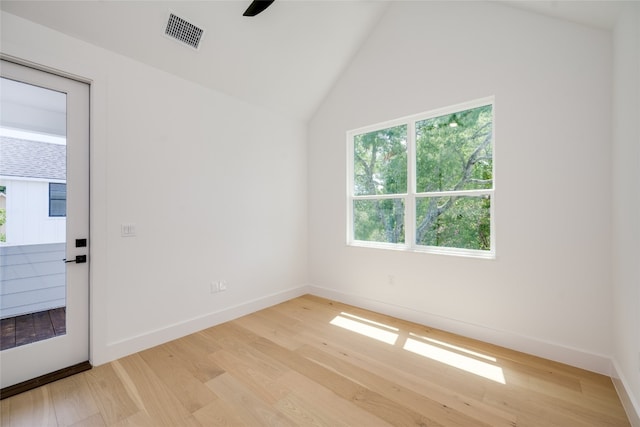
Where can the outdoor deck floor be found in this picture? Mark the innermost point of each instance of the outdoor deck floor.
(29, 328)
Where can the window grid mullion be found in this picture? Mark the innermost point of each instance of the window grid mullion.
(380, 196)
(478, 193)
(350, 196)
(410, 199)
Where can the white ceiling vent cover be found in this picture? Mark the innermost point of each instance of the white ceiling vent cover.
(183, 31)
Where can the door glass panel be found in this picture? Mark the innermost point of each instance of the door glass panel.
(33, 201)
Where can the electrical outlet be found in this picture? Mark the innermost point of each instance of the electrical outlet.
(218, 286)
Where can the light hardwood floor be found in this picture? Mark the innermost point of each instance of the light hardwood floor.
(315, 362)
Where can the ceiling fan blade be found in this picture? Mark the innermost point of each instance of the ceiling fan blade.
(256, 7)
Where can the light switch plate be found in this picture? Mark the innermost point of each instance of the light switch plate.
(127, 230)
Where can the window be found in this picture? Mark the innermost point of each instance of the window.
(424, 183)
(57, 199)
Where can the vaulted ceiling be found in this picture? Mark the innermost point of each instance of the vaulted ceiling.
(286, 58)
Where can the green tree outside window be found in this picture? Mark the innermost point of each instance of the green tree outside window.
(451, 156)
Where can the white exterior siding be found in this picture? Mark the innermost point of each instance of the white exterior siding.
(28, 220)
(32, 278)
(32, 273)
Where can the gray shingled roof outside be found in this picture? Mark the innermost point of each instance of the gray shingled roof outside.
(31, 159)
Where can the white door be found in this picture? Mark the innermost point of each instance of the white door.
(44, 186)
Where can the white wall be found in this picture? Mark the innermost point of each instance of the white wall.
(548, 292)
(234, 175)
(626, 212)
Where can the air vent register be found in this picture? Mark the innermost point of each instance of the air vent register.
(183, 31)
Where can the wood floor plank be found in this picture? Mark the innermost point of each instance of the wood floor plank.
(346, 388)
(230, 335)
(92, 421)
(190, 391)
(606, 397)
(25, 330)
(139, 419)
(193, 353)
(330, 402)
(8, 333)
(255, 410)
(577, 398)
(150, 393)
(312, 361)
(279, 329)
(392, 390)
(464, 400)
(59, 320)
(549, 410)
(345, 343)
(42, 326)
(32, 327)
(110, 394)
(219, 414)
(269, 367)
(31, 408)
(260, 382)
(72, 399)
(305, 413)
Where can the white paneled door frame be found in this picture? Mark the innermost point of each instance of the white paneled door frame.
(26, 362)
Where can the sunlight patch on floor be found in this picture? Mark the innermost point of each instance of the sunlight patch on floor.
(440, 351)
(454, 347)
(368, 328)
(457, 360)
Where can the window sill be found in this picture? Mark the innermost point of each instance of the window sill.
(465, 253)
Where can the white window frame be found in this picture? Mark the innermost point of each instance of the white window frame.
(410, 197)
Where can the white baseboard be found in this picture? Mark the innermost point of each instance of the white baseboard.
(559, 353)
(116, 350)
(629, 401)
